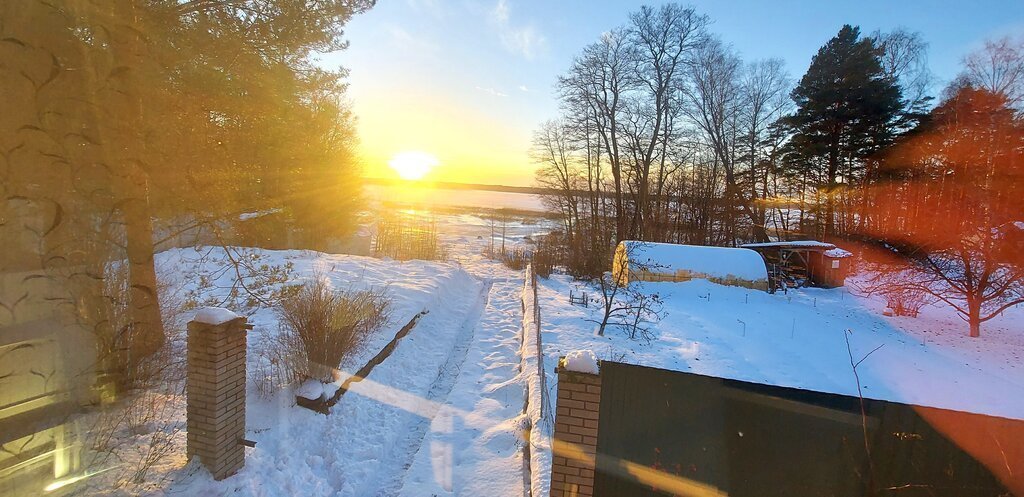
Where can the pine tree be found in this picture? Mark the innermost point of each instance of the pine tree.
(847, 110)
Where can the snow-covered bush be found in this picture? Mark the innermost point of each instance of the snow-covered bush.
(321, 326)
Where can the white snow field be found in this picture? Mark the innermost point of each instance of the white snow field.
(797, 340)
(444, 415)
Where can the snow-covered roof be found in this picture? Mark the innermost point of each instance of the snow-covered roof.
(713, 262)
(795, 243)
(837, 253)
(246, 216)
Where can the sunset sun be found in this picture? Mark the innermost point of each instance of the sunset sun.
(413, 165)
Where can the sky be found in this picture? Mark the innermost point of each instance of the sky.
(468, 81)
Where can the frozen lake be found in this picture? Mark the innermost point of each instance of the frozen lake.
(428, 197)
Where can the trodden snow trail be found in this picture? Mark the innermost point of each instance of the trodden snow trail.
(473, 446)
(392, 470)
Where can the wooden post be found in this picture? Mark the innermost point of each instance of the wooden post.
(575, 440)
(215, 390)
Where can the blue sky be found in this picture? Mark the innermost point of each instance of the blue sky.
(469, 80)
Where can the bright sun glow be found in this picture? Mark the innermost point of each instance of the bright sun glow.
(413, 165)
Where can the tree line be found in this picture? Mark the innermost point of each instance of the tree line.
(666, 134)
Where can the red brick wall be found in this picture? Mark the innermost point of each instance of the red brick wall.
(575, 440)
(215, 391)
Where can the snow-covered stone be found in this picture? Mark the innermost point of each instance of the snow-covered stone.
(330, 389)
(310, 389)
(215, 315)
(581, 361)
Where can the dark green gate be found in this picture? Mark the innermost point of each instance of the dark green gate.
(664, 429)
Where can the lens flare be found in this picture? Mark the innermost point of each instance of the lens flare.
(413, 165)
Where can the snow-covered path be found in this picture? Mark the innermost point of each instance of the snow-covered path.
(473, 446)
(393, 473)
(441, 412)
(441, 415)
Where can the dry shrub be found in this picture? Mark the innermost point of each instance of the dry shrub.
(544, 257)
(321, 327)
(905, 301)
(515, 259)
(138, 423)
(898, 286)
(402, 238)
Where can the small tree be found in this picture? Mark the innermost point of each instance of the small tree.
(627, 305)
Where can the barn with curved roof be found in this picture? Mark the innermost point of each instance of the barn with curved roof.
(650, 261)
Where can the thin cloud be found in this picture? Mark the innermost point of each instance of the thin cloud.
(492, 92)
(523, 88)
(523, 40)
(407, 41)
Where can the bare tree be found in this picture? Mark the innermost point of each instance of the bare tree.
(553, 153)
(599, 79)
(764, 99)
(714, 97)
(904, 58)
(663, 42)
(998, 68)
(953, 207)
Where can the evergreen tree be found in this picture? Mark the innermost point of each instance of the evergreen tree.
(121, 114)
(847, 110)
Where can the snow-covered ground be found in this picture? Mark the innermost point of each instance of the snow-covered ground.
(797, 340)
(444, 413)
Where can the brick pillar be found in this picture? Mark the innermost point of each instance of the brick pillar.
(215, 390)
(575, 440)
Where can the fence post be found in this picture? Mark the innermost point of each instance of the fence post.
(215, 392)
(575, 441)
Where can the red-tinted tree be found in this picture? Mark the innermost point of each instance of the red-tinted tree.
(954, 205)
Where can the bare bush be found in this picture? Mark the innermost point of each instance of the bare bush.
(905, 301)
(398, 237)
(515, 259)
(138, 425)
(900, 288)
(544, 257)
(321, 326)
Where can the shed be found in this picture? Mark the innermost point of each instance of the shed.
(649, 261)
(800, 263)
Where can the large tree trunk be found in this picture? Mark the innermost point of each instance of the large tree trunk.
(146, 328)
(147, 325)
(974, 315)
